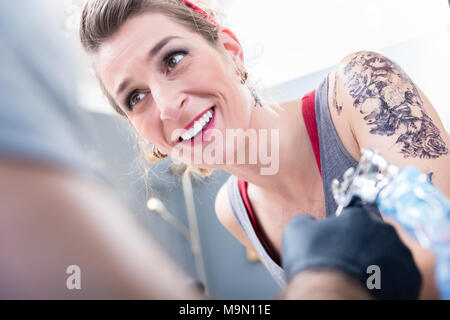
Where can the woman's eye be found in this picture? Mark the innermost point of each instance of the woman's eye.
(173, 60)
(135, 98)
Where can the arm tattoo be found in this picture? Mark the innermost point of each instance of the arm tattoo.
(337, 106)
(391, 104)
(430, 177)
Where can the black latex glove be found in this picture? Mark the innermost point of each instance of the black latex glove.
(350, 243)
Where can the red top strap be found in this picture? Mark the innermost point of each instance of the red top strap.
(269, 249)
(309, 116)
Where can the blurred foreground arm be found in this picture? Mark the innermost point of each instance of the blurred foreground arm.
(51, 219)
(52, 215)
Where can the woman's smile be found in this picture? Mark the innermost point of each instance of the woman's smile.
(199, 129)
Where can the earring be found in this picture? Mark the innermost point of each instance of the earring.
(156, 155)
(256, 97)
(243, 75)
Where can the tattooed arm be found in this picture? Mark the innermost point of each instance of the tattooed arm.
(388, 112)
(384, 110)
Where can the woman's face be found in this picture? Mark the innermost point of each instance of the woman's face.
(163, 87)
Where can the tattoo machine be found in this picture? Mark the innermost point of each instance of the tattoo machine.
(406, 195)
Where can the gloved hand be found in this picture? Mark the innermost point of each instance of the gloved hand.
(350, 243)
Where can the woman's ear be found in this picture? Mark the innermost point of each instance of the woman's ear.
(231, 44)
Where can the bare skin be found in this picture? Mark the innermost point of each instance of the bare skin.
(324, 285)
(203, 76)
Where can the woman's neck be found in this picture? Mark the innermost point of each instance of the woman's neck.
(297, 171)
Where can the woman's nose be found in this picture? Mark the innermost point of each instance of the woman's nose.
(168, 101)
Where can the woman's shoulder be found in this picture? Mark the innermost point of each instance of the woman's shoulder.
(386, 110)
(292, 106)
(226, 216)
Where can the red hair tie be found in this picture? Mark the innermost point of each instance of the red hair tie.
(201, 11)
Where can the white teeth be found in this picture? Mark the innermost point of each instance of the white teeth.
(198, 126)
(197, 129)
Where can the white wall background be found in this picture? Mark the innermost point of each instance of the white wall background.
(303, 36)
(286, 40)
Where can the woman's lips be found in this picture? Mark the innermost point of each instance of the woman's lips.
(206, 131)
(196, 118)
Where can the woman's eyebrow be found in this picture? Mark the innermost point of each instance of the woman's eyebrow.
(153, 52)
(161, 45)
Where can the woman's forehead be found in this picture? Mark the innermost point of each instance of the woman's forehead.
(132, 43)
(142, 30)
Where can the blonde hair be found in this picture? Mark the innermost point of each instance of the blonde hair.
(101, 19)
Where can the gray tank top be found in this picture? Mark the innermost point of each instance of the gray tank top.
(335, 160)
